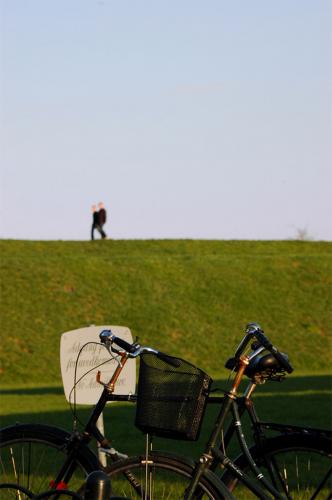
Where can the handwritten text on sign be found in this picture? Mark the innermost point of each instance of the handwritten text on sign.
(93, 357)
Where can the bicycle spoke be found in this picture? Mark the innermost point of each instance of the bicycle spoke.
(322, 485)
(34, 463)
(301, 475)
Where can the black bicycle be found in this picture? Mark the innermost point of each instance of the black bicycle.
(295, 463)
(172, 396)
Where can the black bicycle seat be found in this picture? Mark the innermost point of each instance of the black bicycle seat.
(267, 363)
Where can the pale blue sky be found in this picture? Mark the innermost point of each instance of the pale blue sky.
(189, 119)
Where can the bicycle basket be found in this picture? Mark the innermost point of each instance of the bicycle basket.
(171, 400)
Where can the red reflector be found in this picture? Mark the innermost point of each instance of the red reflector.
(61, 486)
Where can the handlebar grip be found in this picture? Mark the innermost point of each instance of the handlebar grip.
(264, 341)
(169, 359)
(282, 359)
(124, 345)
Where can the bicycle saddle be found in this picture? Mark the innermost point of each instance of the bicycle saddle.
(266, 364)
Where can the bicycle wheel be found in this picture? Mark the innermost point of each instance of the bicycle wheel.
(163, 477)
(14, 492)
(298, 465)
(32, 455)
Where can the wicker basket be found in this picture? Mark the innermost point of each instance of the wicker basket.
(171, 400)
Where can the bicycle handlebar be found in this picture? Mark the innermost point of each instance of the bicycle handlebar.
(264, 341)
(254, 330)
(130, 348)
(169, 359)
(135, 350)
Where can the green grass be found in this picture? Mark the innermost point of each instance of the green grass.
(302, 400)
(188, 298)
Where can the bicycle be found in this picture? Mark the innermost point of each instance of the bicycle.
(79, 459)
(267, 452)
(38, 457)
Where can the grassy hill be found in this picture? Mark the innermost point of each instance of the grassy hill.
(188, 298)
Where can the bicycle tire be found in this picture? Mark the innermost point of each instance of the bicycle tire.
(296, 464)
(16, 492)
(32, 455)
(168, 477)
(13, 491)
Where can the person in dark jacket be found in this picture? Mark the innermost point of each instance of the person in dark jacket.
(102, 218)
(98, 220)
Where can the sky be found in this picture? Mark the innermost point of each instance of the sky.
(188, 119)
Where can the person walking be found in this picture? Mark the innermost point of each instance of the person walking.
(98, 220)
(95, 221)
(102, 219)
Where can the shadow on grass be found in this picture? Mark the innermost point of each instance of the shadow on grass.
(30, 391)
(290, 384)
(298, 400)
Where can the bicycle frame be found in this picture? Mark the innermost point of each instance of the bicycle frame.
(91, 429)
(245, 404)
(214, 453)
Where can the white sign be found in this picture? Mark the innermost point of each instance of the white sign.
(93, 357)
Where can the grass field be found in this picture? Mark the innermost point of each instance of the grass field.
(298, 400)
(189, 298)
